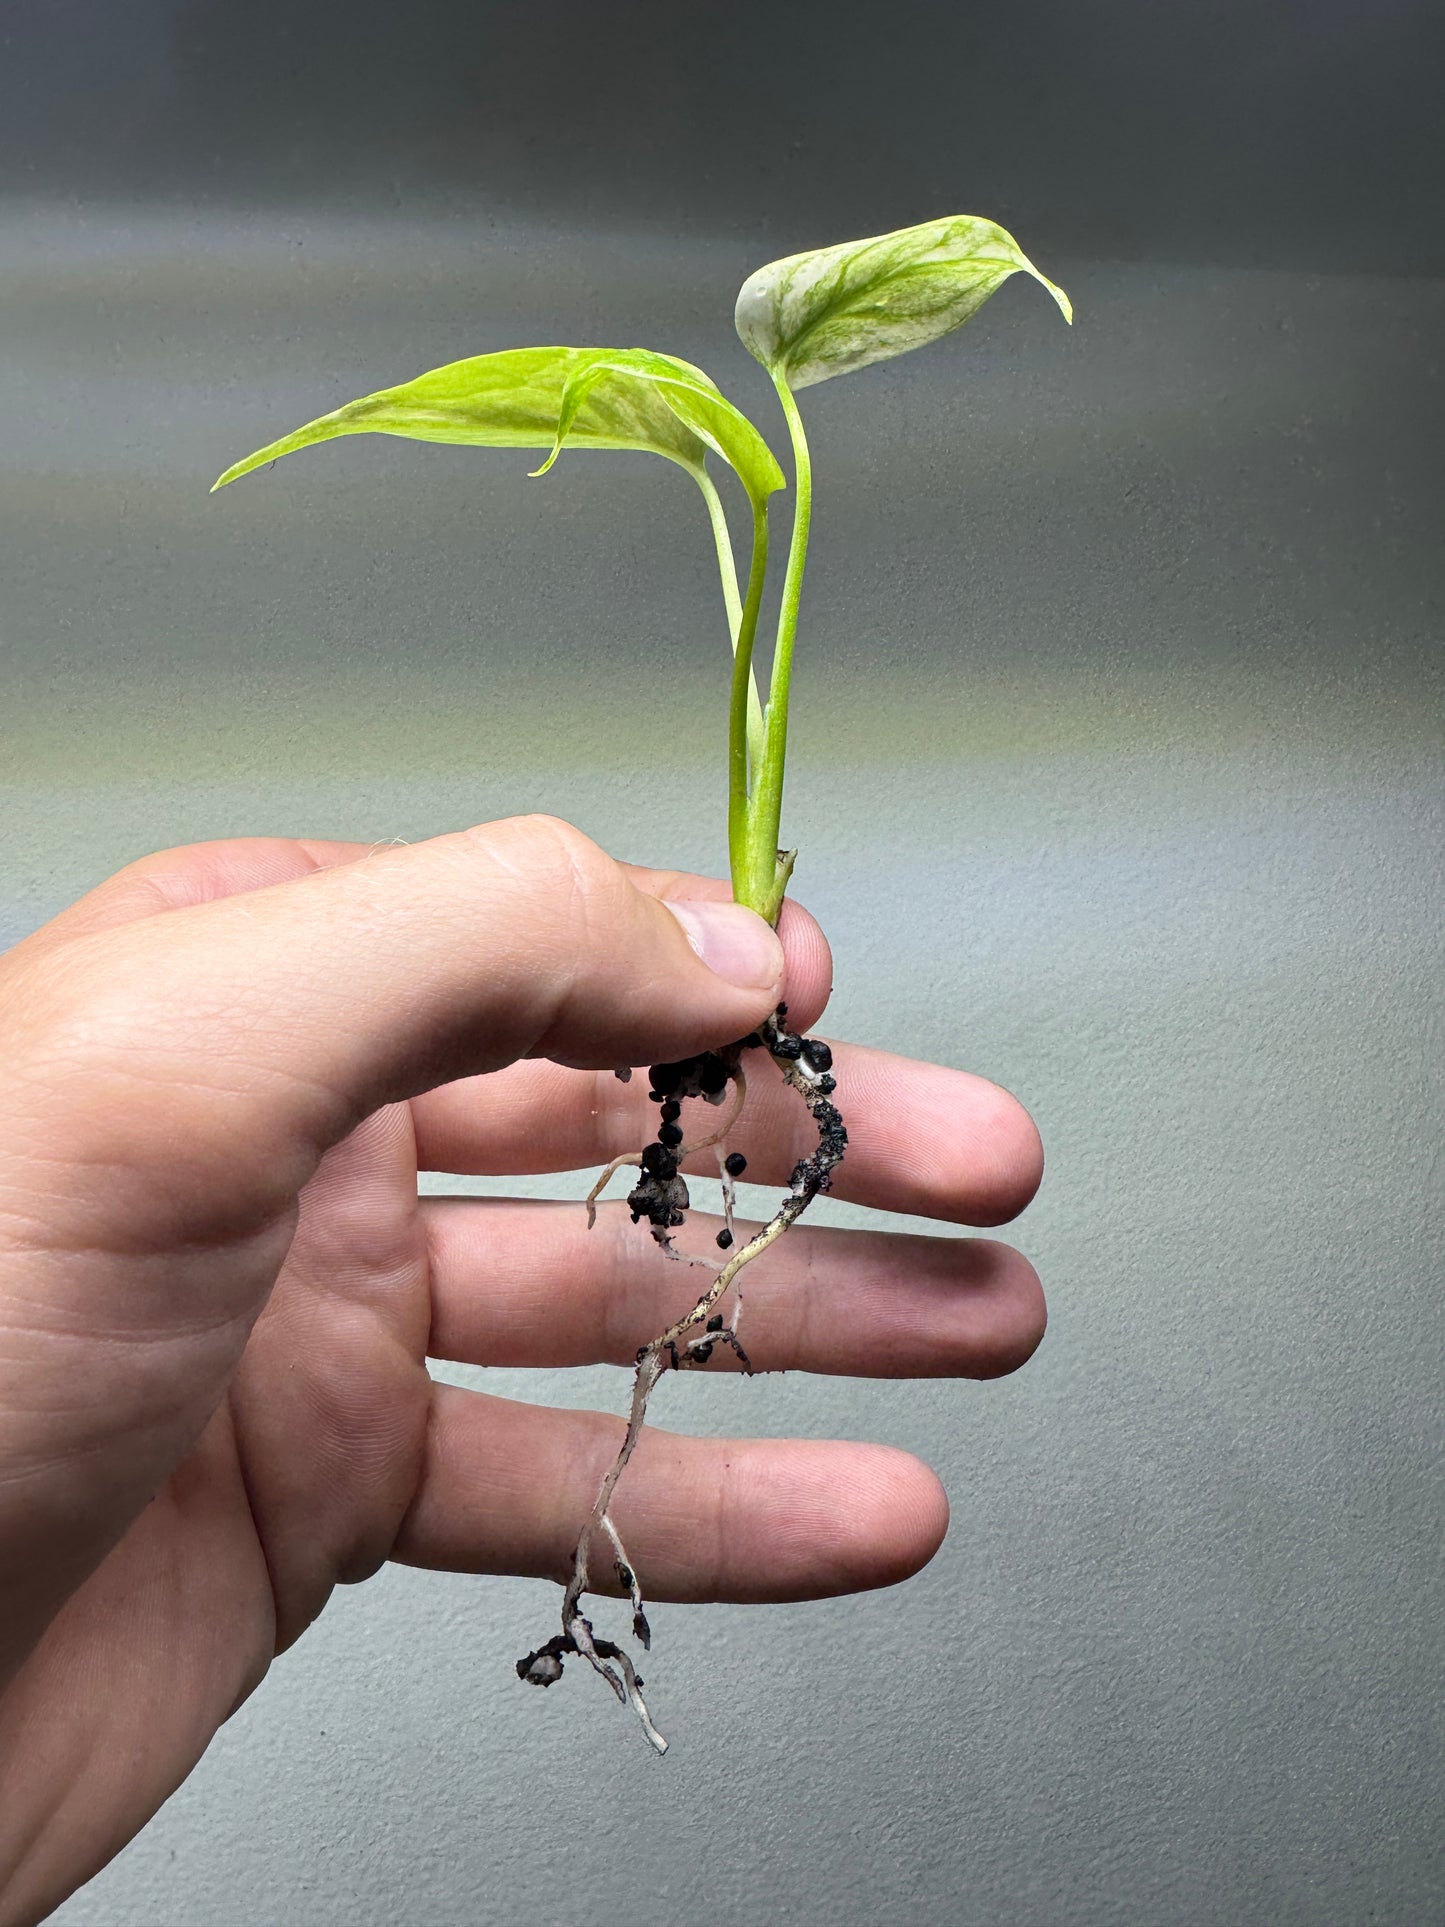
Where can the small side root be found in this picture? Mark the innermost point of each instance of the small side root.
(627, 1578)
(618, 1163)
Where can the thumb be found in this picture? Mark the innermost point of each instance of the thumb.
(274, 1020)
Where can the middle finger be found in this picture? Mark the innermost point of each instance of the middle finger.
(525, 1283)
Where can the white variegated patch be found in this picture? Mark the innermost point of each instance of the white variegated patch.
(811, 316)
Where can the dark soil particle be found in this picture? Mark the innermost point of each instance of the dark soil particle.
(544, 1667)
(706, 1075)
(712, 1075)
(662, 1201)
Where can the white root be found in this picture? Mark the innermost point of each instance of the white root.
(795, 1057)
(618, 1163)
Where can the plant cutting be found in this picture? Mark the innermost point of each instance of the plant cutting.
(806, 319)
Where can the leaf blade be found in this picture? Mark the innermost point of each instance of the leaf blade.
(511, 399)
(830, 311)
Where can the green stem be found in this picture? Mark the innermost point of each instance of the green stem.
(767, 867)
(727, 569)
(741, 753)
(726, 566)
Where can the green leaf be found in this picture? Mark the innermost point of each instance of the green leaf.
(515, 399)
(812, 316)
(693, 399)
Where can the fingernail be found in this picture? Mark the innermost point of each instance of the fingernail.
(735, 943)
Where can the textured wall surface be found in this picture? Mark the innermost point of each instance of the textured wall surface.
(1118, 780)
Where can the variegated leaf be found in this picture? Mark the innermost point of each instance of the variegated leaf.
(514, 399)
(812, 316)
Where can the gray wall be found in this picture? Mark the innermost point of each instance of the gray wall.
(1118, 780)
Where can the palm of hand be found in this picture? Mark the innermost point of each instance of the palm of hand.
(301, 1479)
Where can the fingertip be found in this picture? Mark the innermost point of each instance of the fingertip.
(808, 983)
(1033, 1317)
(976, 1156)
(1010, 1154)
(870, 1516)
(903, 1516)
(1008, 1338)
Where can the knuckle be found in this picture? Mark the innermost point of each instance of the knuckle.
(541, 845)
(179, 860)
(569, 901)
(569, 879)
(166, 879)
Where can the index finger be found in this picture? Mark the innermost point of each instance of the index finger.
(922, 1139)
(195, 873)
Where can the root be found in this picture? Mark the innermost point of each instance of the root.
(617, 1164)
(661, 1196)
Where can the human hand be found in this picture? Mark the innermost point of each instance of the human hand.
(219, 1076)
